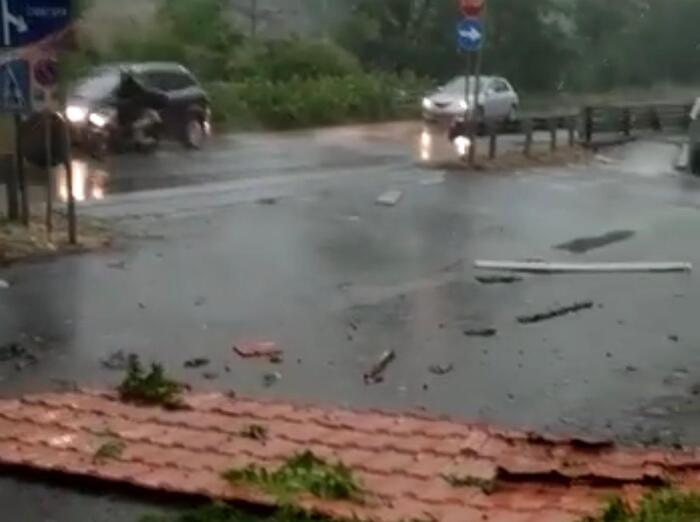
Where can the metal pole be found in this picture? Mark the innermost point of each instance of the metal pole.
(72, 226)
(48, 147)
(475, 123)
(21, 174)
(8, 162)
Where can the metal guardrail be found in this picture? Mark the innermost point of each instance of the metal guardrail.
(626, 118)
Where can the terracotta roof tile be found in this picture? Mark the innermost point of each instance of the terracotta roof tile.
(401, 460)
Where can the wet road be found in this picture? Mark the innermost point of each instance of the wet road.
(306, 259)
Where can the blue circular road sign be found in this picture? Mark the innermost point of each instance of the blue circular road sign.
(470, 34)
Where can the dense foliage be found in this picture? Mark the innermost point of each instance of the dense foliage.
(369, 63)
(541, 45)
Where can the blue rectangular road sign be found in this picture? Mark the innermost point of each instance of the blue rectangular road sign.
(15, 85)
(24, 22)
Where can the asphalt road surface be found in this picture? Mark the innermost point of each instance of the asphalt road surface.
(279, 239)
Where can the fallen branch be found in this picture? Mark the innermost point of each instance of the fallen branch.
(552, 314)
(376, 374)
(542, 267)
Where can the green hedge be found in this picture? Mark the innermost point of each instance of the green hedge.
(306, 102)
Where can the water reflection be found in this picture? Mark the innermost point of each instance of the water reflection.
(89, 181)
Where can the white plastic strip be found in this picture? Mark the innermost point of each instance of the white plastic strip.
(543, 267)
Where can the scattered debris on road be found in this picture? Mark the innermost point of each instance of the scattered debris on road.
(376, 374)
(600, 158)
(674, 338)
(21, 356)
(390, 198)
(4, 285)
(257, 349)
(267, 201)
(119, 265)
(429, 182)
(198, 362)
(272, 378)
(558, 312)
(482, 332)
(541, 267)
(118, 360)
(200, 301)
(444, 369)
(498, 280)
(586, 244)
(210, 376)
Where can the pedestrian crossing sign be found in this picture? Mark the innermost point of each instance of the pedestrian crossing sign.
(15, 83)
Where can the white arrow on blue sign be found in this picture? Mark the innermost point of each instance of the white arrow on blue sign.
(470, 34)
(15, 84)
(24, 22)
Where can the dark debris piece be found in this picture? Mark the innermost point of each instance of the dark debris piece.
(481, 332)
(117, 361)
(499, 280)
(198, 362)
(438, 369)
(558, 312)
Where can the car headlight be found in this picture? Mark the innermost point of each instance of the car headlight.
(76, 114)
(427, 104)
(98, 119)
(463, 105)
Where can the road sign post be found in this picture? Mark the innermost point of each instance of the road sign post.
(29, 74)
(470, 39)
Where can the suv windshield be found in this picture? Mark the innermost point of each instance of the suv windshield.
(99, 85)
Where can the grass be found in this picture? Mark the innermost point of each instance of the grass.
(663, 506)
(149, 389)
(467, 481)
(109, 450)
(18, 242)
(302, 473)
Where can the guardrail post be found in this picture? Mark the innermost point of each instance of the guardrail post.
(655, 120)
(552, 125)
(527, 127)
(588, 124)
(626, 122)
(571, 127)
(493, 137)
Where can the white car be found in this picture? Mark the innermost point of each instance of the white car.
(497, 100)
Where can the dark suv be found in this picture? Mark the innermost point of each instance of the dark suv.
(185, 118)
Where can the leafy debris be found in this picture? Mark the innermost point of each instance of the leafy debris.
(149, 389)
(302, 473)
(488, 486)
(110, 450)
(255, 432)
(198, 362)
(116, 361)
(438, 369)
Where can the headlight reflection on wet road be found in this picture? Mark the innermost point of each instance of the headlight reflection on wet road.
(88, 182)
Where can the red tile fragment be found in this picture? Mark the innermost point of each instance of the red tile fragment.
(252, 349)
